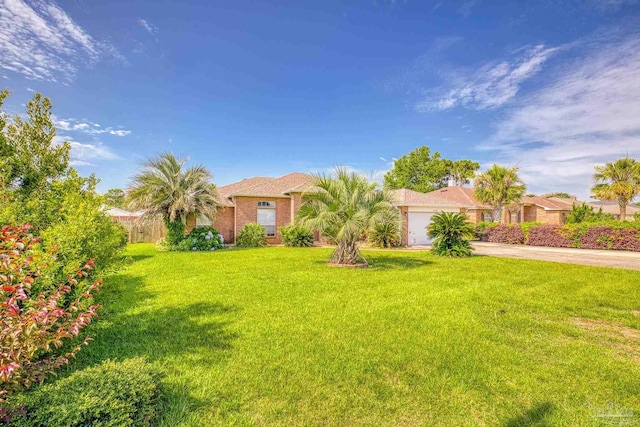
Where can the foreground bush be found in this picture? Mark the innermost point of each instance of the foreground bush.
(296, 236)
(38, 187)
(201, 239)
(451, 233)
(37, 318)
(252, 236)
(110, 394)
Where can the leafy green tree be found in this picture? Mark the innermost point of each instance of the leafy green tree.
(165, 189)
(620, 181)
(559, 195)
(499, 186)
(451, 232)
(462, 171)
(586, 213)
(30, 155)
(115, 198)
(40, 189)
(343, 209)
(419, 171)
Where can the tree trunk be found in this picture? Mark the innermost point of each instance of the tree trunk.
(623, 210)
(175, 231)
(497, 214)
(347, 253)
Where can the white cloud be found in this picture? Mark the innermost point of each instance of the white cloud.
(85, 154)
(465, 8)
(75, 125)
(491, 85)
(40, 41)
(588, 114)
(152, 29)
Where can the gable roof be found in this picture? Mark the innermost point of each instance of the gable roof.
(406, 197)
(614, 208)
(265, 186)
(552, 203)
(226, 191)
(458, 196)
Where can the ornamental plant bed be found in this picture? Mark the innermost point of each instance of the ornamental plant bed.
(613, 236)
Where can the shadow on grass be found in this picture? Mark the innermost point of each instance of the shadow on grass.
(386, 262)
(534, 417)
(381, 262)
(131, 325)
(134, 323)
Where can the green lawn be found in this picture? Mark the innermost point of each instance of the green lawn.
(274, 336)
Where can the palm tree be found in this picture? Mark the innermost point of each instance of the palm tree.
(343, 207)
(165, 189)
(451, 233)
(620, 181)
(499, 186)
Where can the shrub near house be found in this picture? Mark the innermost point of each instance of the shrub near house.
(607, 235)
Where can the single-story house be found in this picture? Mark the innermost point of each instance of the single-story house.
(614, 209)
(418, 208)
(270, 202)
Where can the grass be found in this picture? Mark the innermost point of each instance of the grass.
(274, 336)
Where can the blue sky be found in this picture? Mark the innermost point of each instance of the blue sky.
(265, 88)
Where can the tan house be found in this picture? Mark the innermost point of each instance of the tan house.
(418, 208)
(270, 202)
(614, 209)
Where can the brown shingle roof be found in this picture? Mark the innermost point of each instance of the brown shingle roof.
(278, 186)
(228, 190)
(613, 208)
(406, 197)
(553, 203)
(264, 186)
(459, 196)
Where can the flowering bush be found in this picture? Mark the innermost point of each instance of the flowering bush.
(37, 318)
(201, 239)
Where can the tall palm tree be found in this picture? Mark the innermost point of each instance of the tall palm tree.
(343, 207)
(499, 186)
(620, 181)
(165, 189)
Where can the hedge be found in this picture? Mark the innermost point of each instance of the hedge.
(612, 236)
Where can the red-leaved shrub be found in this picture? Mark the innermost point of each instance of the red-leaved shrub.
(510, 234)
(548, 235)
(605, 237)
(36, 324)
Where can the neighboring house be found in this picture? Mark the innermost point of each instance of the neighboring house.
(138, 231)
(614, 209)
(270, 202)
(418, 208)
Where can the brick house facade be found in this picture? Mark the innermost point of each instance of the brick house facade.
(270, 202)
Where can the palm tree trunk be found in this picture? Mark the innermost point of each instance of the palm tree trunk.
(623, 210)
(497, 214)
(347, 253)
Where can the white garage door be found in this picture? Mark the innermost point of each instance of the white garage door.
(418, 222)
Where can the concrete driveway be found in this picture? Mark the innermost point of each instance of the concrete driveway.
(598, 258)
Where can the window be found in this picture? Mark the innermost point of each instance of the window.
(487, 216)
(267, 217)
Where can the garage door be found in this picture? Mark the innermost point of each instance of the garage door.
(418, 222)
